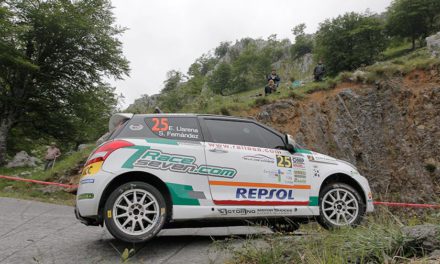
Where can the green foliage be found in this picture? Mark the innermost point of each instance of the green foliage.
(221, 79)
(222, 49)
(55, 57)
(413, 19)
(349, 41)
(260, 101)
(303, 42)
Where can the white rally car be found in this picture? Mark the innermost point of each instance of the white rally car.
(160, 171)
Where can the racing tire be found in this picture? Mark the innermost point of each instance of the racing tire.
(340, 205)
(135, 212)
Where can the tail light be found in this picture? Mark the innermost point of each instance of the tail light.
(103, 151)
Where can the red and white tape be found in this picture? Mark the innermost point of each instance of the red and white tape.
(38, 182)
(69, 186)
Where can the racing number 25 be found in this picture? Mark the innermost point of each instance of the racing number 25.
(160, 124)
(284, 161)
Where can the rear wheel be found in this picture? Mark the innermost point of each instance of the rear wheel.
(340, 205)
(135, 212)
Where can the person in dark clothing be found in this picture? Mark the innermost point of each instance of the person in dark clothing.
(274, 77)
(270, 87)
(157, 110)
(319, 71)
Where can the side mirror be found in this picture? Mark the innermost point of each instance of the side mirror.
(290, 143)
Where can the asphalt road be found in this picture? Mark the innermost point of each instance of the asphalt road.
(34, 232)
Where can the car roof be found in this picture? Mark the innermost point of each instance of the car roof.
(195, 115)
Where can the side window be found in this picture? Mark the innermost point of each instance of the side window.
(242, 133)
(179, 128)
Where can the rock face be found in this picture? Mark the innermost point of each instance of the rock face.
(433, 43)
(22, 159)
(390, 131)
(423, 236)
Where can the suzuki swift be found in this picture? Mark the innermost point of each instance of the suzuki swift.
(160, 171)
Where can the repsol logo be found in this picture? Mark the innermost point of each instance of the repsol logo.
(264, 194)
(156, 159)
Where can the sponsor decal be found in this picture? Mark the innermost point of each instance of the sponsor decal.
(91, 169)
(316, 172)
(259, 158)
(85, 196)
(109, 213)
(370, 197)
(264, 194)
(238, 211)
(316, 157)
(136, 127)
(298, 160)
(240, 147)
(85, 181)
(261, 211)
(158, 160)
(280, 174)
(163, 128)
(300, 176)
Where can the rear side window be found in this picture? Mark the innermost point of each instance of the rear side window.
(242, 133)
(178, 128)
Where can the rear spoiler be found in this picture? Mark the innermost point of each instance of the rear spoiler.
(117, 119)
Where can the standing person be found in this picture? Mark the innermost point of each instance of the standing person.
(319, 71)
(270, 87)
(52, 153)
(274, 77)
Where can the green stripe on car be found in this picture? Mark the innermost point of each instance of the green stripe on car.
(313, 201)
(303, 151)
(181, 194)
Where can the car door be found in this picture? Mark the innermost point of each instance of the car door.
(264, 172)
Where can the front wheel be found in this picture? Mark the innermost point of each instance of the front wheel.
(135, 212)
(340, 205)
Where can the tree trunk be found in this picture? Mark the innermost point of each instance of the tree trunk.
(5, 126)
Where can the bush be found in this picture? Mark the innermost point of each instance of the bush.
(261, 101)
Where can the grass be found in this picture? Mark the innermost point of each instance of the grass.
(378, 240)
(31, 191)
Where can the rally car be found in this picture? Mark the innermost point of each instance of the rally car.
(160, 171)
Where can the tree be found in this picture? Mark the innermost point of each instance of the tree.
(303, 42)
(54, 56)
(350, 40)
(222, 49)
(221, 78)
(413, 19)
(172, 82)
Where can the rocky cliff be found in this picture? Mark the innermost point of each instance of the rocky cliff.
(390, 131)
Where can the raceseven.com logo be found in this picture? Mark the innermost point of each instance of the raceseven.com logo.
(158, 160)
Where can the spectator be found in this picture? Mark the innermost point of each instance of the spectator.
(52, 153)
(319, 71)
(270, 87)
(274, 77)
